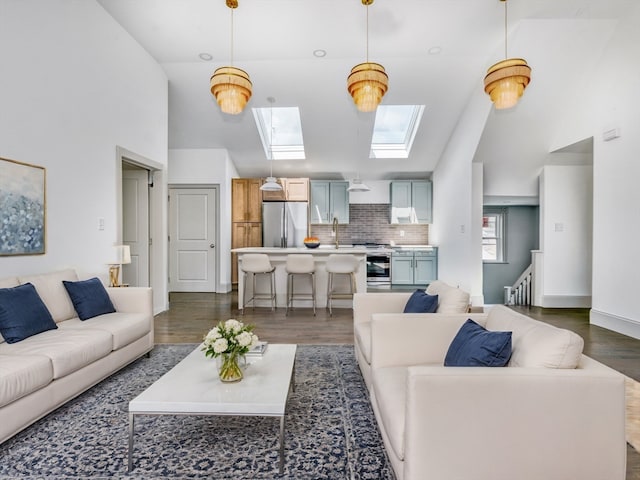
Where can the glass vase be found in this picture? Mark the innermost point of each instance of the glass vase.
(228, 368)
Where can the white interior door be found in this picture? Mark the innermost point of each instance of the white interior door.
(192, 227)
(135, 225)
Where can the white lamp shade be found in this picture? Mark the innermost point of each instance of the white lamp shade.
(357, 186)
(271, 185)
(121, 255)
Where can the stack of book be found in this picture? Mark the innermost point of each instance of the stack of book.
(258, 350)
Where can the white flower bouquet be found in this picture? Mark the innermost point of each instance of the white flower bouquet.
(230, 339)
(231, 336)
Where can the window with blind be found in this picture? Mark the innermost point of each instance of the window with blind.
(493, 236)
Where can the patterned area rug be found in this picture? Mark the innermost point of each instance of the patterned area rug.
(330, 430)
(632, 391)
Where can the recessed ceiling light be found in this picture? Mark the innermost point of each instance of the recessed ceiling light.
(319, 53)
(206, 56)
(435, 50)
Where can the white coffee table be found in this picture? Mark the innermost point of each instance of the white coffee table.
(192, 387)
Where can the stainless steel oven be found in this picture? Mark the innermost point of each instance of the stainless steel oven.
(378, 267)
(378, 262)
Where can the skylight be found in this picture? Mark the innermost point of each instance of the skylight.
(394, 130)
(284, 140)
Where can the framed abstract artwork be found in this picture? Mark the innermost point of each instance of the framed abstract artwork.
(22, 208)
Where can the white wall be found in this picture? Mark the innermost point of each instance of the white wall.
(516, 141)
(456, 203)
(477, 190)
(566, 232)
(611, 101)
(209, 167)
(74, 86)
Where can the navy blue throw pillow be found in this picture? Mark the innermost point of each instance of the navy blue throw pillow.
(23, 313)
(475, 346)
(89, 298)
(421, 302)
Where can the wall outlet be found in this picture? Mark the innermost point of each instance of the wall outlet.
(100, 223)
(333, 234)
(402, 233)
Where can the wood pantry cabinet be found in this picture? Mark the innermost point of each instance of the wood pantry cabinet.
(243, 234)
(246, 200)
(246, 216)
(293, 190)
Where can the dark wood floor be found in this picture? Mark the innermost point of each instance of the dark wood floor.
(191, 315)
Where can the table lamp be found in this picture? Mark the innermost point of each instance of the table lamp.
(121, 256)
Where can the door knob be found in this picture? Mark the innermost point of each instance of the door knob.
(213, 245)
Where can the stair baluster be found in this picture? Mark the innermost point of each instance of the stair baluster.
(520, 292)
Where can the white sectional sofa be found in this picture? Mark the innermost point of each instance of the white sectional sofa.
(450, 300)
(43, 371)
(551, 413)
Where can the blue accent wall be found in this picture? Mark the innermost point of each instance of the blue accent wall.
(522, 236)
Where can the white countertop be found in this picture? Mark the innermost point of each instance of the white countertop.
(321, 250)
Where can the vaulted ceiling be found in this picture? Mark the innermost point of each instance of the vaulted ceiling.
(436, 53)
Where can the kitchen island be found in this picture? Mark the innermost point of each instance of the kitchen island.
(278, 258)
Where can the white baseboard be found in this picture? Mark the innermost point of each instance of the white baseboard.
(625, 326)
(160, 307)
(566, 301)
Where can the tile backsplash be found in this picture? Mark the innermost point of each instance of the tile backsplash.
(369, 222)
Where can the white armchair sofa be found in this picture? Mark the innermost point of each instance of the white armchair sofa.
(450, 300)
(45, 370)
(551, 414)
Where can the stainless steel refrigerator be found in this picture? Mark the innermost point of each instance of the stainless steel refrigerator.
(284, 224)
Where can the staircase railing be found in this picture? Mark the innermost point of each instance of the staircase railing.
(520, 293)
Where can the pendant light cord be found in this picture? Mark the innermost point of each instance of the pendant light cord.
(358, 156)
(231, 42)
(367, 43)
(505, 29)
(271, 138)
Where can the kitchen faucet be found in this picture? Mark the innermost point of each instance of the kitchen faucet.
(334, 229)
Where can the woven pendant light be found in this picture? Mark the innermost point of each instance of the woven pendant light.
(368, 82)
(231, 86)
(506, 80)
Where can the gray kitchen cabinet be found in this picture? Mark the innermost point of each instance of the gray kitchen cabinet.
(425, 267)
(414, 267)
(411, 201)
(329, 199)
(402, 268)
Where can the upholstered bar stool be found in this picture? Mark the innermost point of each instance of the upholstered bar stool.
(258, 264)
(340, 264)
(300, 264)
